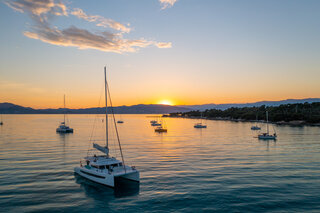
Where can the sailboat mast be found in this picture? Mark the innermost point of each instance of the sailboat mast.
(105, 88)
(64, 109)
(267, 123)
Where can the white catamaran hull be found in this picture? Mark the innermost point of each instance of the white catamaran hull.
(106, 178)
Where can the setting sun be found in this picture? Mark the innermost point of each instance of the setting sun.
(166, 102)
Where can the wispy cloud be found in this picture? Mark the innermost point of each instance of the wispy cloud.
(164, 44)
(101, 21)
(83, 39)
(167, 3)
(41, 11)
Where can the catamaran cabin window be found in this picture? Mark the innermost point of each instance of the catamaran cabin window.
(101, 167)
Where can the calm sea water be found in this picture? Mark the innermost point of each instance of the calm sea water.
(221, 168)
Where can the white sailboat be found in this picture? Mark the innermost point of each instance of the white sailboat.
(256, 127)
(63, 128)
(266, 135)
(104, 169)
(200, 125)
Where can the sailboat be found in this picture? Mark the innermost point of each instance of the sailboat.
(1, 122)
(267, 136)
(161, 127)
(256, 127)
(120, 121)
(200, 125)
(63, 128)
(155, 122)
(104, 169)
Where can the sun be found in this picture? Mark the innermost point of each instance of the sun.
(165, 102)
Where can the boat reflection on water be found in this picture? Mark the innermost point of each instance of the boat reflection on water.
(122, 188)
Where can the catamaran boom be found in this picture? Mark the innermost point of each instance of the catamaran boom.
(100, 148)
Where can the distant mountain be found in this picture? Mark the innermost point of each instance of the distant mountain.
(15, 109)
(9, 108)
(256, 104)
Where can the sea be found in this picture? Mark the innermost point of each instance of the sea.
(221, 168)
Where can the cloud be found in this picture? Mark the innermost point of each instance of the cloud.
(101, 21)
(164, 44)
(83, 39)
(42, 10)
(39, 9)
(167, 3)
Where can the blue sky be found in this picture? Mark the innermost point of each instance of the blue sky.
(216, 52)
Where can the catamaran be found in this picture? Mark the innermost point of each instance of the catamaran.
(104, 169)
(266, 135)
(63, 128)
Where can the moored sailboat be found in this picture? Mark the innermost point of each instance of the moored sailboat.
(267, 135)
(63, 128)
(200, 125)
(161, 127)
(256, 127)
(120, 121)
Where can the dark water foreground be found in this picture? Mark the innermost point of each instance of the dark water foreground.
(221, 168)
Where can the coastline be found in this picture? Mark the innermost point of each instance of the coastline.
(295, 123)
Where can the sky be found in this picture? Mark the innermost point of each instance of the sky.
(177, 52)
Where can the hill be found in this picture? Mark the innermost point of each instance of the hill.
(306, 113)
(255, 104)
(9, 108)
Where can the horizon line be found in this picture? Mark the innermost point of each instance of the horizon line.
(178, 105)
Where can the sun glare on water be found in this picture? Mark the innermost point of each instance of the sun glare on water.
(166, 102)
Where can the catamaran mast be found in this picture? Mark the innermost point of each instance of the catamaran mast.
(105, 88)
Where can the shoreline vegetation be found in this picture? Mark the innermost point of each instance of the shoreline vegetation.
(286, 114)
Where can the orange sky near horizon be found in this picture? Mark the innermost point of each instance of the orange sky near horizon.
(77, 101)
